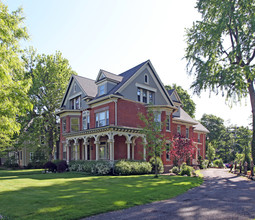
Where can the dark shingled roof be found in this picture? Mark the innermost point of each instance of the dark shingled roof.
(88, 85)
(170, 92)
(111, 76)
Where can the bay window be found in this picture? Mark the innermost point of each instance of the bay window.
(85, 120)
(75, 125)
(76, 103)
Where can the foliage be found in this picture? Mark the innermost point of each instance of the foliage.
(182, 148)
(11, 163)
(50, 75)
(63, 195)
(188, 104)
(221, 50)
(186, 170)
(210, 152)
(123, 167)
(35, 165)
(50, 166)
(155, 139)
(175, 170)
(205, 164)
(14, 85)
(99, 167)
(156, 163)
(200, 162)
(218, 163)
(61, 166)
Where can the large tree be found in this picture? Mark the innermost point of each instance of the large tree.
(221, 49)
(50, 75)
(188, 104)
(13, 85)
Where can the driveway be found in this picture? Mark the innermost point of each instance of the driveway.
(221, 196)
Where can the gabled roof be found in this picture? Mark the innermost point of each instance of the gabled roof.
(200, 127)
(88, 85)
(107, 75)
(174, 95)
(184, 117)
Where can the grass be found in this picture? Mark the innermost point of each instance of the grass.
(29, 194)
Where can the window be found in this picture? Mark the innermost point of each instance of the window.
(75, 125)
(151, 98)
(64, 152)
(101, 90)
(74, 87)
(179, 129)
(104, 153)
(168, 121)
(187, 132)
(138, 94)
(76, 103)
(31, 154)
(85, 120)
(144, 96)
(157, 119)
(198, 138)
(168, 152)
(102, 119)
(146, 80)
(63, 125)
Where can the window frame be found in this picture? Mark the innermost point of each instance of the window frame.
(78, 124)
(168, 123)
(178, 129)
(63, 125)
(198, 138)
(187, 132)
(105, 119)
(86, 121)
(146, 78)
(100, 90)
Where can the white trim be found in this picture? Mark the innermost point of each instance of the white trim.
(145, 87)
(74, 96)
(76, 113)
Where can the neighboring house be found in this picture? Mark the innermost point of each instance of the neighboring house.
(99, 119)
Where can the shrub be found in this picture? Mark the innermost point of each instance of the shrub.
(35, 165)
(50, 166)
(175, 170)
(11, 164)
(186, 170)
(218, 163)
(159, 163)
(123, 167)
(61, 166)
(205, 164)
(99, 167)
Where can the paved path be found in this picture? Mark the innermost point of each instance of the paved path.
(221, 196)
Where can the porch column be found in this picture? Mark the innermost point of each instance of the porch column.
(76, 149)
(144, 153)
(86, 150)
(97, 149)
(111, 142)
(67, 151)
(133, 151)
(128, 149)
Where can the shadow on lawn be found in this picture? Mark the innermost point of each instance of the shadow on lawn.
(85, 196)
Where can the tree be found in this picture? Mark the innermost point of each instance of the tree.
(155, 140)
(188, 104)
(215, 125)
(221, 50)
(182, 148)
(50, 75)
(13, 85)
(210, 153)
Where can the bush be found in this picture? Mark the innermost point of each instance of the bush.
(159, 163)
(11, 164)
(99, 167)
(186, 170)
(61, 166)
(35, 165)
(123, 167)
(218, 163)
(205, 164)
(50, 166)
(175, 170)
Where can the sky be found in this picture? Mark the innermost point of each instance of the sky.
(116, 35)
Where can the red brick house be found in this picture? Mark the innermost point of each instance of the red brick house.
(99, 119)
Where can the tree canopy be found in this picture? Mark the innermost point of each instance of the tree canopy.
(188, 104)
(13, 83)
(221, 50)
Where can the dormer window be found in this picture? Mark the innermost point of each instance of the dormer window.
(146, 79)
(76, 103)
(101, 90)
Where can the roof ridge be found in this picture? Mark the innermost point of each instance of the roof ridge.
(83, 77)
(141, 64)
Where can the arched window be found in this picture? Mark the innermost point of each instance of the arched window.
(146, 79)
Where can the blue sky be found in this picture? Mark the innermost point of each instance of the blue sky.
(116, 35)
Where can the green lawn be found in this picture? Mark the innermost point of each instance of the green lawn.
(33, 195)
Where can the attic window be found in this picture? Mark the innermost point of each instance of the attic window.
(146, 79)
(74, 87)
(101, 90)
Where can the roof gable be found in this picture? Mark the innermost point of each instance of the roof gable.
(105, 75)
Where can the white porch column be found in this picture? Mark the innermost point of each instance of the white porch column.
(86, 150)
(133, 151)
(97, 149)
(144, 153)
(67, 151)
(111, 142)
(128, 149)
(76, 149)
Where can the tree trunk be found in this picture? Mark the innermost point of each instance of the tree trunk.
(51, 144)
(252, 98)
